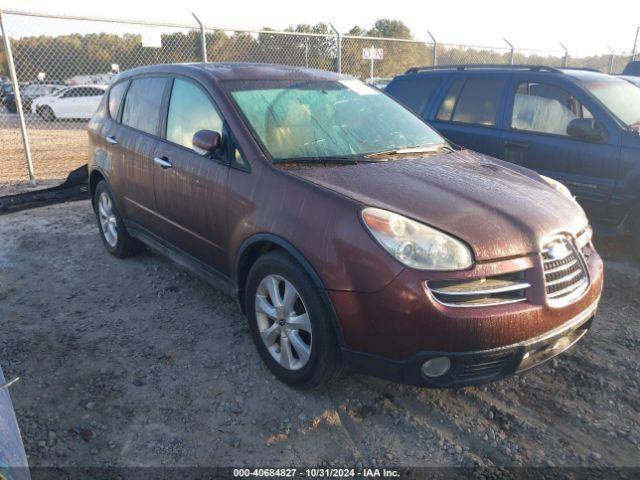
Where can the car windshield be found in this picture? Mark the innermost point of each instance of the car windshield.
(315, 120)
(620, 97)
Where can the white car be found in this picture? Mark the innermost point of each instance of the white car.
(79, 101)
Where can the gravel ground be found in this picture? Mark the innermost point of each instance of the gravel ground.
(136, 363)
(56, 149)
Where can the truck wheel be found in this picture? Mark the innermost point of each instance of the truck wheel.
(290, 323)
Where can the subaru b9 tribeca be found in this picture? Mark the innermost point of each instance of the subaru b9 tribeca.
(348, 230)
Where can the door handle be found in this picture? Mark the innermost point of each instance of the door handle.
(515, 144)
(163, 162)
(111, 139)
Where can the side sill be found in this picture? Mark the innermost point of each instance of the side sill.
(213, 277)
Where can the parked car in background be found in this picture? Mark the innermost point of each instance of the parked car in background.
(576, 126)
(28, 93)
(631, 79)
(6, 90)
(13, 461)
(78, 102)
(5, 87)
(632, 69)
(35, 90)
(346, 227)
(379, 82)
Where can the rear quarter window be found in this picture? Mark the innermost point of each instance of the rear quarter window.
(116, 94)
(413, 93)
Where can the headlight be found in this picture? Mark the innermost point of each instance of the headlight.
(414, 244)
(558, 186)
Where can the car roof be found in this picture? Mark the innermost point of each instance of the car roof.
(88, 85)
(572, 74)
(223, 71)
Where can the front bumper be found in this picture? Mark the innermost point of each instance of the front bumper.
(476, 367)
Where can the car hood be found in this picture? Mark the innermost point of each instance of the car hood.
(500, 210)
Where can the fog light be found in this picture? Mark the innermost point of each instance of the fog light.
(436, 367)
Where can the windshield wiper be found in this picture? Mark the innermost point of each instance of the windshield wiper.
(428, 148)
(344, 160)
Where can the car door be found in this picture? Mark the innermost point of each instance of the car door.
(137, 138)
(535, 136)
(88, 101)
(63, 105)
(467, 113)
(190, 184)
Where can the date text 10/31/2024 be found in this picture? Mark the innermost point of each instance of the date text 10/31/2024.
(316, 472)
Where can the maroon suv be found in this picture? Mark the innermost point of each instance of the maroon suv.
(348, 229)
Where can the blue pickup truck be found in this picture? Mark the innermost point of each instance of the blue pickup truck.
(580, 127)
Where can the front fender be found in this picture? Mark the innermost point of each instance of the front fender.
(322, 225)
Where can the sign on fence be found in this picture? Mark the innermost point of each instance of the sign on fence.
(151, 38)
(372, 53)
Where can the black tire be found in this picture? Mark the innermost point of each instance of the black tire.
(125, 245)
(324, 360)
(46, 113)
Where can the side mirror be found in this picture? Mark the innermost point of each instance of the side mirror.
(585, 129)
(207, 140)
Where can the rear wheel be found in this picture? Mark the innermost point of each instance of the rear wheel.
(47, 113)
(114, 235)
(290, 323)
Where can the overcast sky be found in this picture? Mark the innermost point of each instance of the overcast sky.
(584, 27)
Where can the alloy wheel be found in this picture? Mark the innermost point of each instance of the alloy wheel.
(108, 222)
(283, 322)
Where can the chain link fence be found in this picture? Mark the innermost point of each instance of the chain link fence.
(60, 60)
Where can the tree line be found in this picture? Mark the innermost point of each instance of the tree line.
(64, 56)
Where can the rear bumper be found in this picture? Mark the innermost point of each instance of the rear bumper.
(475, 367)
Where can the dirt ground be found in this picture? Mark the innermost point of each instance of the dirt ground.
(136, 363)
(56, 149)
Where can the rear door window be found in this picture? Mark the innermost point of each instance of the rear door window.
(71, 93)
(95, 92)
(544, 108)
(414, 93)
(142, 104)
(474, 101)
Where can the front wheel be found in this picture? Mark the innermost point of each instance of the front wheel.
(289, 322)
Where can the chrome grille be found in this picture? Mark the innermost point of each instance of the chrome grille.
(565, 275)
(480, 292)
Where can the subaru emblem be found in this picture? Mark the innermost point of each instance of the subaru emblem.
(558, 251)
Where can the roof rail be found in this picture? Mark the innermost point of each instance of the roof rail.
(470, 66)
(586, 69)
